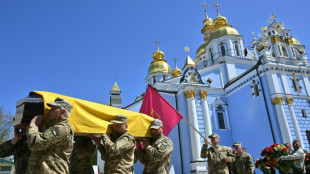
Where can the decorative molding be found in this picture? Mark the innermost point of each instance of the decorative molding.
(275, 39)
(190, 94)
(277, 100)
(203, 94)
(289, 101)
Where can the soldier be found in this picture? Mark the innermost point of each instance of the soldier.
(18, 147)
(157, 152)
(117, 149)
(218, 156)
(244, 163)
(82, 154)
(51, 149)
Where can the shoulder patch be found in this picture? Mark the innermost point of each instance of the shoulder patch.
(48, 134)
(55, 132)
(122, 143)
(163, 145)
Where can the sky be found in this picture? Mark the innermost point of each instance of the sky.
(79, 48)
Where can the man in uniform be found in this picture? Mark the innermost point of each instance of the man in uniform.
(18, 147)
(157, 152)
(244, 163)
(218, 156)
(51, 149)
(81, 157)
(117, 149)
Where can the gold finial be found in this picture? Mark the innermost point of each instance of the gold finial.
(186, 49)
(157, 42)
(253, 35)
(217, 8)
(268, 21)
(273, 17)
(260, 35)
(175, 61)
(205, 6)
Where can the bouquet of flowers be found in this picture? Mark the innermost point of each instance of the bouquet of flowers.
(307, 159)
(272, 152)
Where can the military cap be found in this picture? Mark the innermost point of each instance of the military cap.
(236, 144)
(120, 119)
(214, 135)
(156, 124)
(61, 103)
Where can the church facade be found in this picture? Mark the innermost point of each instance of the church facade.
(257, 95)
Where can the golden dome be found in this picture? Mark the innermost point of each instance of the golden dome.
(207, 21)
(159, 64)
(176, 72)
(201, 50)
(295, 41)
(220, 20)
(222, 32)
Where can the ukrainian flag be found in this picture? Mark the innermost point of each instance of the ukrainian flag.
(94, 118)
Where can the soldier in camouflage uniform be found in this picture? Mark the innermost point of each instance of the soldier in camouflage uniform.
(218, 156)
(81, 157)
(117, 149)
(244, 163)
(18, 147)
(157, 152)
(51, 149)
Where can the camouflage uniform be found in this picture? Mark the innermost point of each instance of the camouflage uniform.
(244, 164)
(118, 153)
(215, 155)
(20, 151)
(51, 149)
(82, 154)
(156, 156)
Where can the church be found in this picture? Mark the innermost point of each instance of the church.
(257, 95)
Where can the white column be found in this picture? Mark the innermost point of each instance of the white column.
(206, 113)
(192, 114)
(294, 121)
(285, 130)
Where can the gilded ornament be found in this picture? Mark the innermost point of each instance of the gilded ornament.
(203, 94)
(190, 94)
(289, 41)
(289, 101)
(277, 100)
(275, 39)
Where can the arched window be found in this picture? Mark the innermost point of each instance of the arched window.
(279, 50)
(237, 48)
(223, 53)
(220, 117)
(211, 55)
(296, 85)
(293, 52)
(284, 51)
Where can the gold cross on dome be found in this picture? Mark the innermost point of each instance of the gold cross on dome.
(217, 8)
(157, 42)
(205, 6)
(175, 61)
(273, 17)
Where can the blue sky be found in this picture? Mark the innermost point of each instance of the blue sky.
(78, 48)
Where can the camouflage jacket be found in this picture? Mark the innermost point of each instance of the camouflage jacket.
(156, 156)
(51, 149)
(215, 155)
(244, 164)
(118, 153)
(81, 157)
(20, 151)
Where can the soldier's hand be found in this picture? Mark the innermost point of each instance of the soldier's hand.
(206, 141)
(37, 120)
(96, 140)
(146, 142)
(226, 159)
(17, 136)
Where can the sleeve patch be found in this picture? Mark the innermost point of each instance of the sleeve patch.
(55, 132)
(122, 143)
(163, 146)
(48, 134)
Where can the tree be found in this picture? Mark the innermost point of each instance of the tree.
(6, 123)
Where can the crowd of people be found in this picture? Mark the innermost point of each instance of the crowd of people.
(53, 150)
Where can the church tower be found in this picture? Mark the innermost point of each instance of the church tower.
(115, 96)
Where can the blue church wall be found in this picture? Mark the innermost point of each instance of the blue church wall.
(215, 75)
(241, 68)
(280, 83)
(184, 134)
(249, 120)
(272, 111)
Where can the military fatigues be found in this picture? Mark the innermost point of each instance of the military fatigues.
(156, 156)
(82, 154)
(118, 153)
(51, 149)
(244, 164)
(20, 151)
(215, 155)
